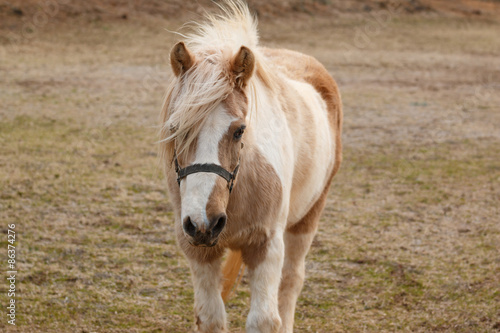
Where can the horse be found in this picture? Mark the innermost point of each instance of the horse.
(250, 139)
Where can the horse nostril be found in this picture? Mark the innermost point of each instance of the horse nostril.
(219, 225)
(189, 227)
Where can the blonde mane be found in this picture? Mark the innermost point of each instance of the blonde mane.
(192, 96)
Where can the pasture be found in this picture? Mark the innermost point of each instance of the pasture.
(410, 238)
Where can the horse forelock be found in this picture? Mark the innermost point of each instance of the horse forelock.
(190, 99)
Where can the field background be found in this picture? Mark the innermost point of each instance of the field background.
(410, 238)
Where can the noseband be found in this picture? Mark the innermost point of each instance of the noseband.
(206, 167)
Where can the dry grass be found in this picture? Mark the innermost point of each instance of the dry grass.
(409, 240)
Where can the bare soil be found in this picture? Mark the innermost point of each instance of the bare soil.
(15, 12)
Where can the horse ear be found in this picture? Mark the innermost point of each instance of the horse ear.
(243, 66)
(181, 59)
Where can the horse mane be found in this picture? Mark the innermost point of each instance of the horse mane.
(195, 94)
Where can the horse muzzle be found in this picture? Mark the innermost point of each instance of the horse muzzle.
(203, 235)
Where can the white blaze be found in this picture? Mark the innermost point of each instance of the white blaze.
(197, 187)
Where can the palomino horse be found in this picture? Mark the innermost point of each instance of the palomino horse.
(251, 139)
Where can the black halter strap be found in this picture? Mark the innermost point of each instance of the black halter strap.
(206, 167)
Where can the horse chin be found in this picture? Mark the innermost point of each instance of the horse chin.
(196, 244)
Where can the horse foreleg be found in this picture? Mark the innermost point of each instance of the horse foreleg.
(264, 285)
(210, 314)
(296, 247)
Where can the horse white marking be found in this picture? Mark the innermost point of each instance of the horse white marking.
(209, 307)
(321, 154)
(264, 285)
(196, 188)
(271, 132)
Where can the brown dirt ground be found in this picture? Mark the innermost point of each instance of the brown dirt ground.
(13, 12)
(410, 238)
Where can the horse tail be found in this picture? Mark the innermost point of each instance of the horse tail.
(232, 273)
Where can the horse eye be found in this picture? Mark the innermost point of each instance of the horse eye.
(239, 133)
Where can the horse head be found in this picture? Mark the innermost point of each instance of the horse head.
(203, 134)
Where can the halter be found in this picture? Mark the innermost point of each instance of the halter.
(206, 167)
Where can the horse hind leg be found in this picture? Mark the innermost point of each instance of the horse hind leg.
(298, 239)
